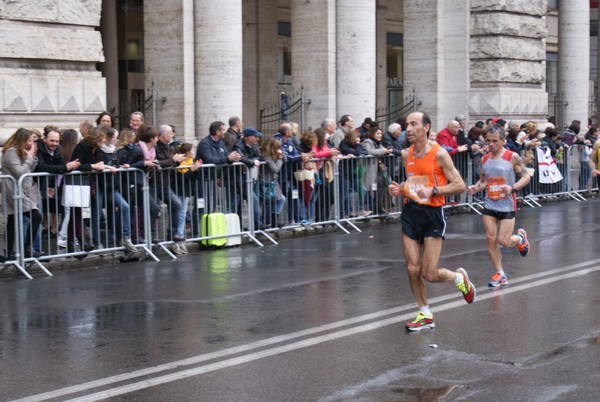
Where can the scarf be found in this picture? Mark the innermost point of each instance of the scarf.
(149, 154)
(108, 148)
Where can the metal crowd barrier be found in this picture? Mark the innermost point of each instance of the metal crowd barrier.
(12, 227)
(168, 207)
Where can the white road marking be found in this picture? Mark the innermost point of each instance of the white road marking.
(561, 274)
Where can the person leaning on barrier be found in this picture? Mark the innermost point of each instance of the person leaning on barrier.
(186, 176)
(351, 172)
(250, 156)
(329, 125)
(374, 180)
(447, 138)
(234, 133)
(391, 139)
(212, 150)
(325, 171)
(51, 160)
(88, 153)
(115, 188)
(142, 155)
(18, 159)
(293, 163)
(164, 179)
(273, 203)
(346, 124)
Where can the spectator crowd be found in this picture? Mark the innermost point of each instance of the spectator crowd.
(290, 178)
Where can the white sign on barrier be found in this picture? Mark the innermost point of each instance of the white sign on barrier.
(549, 172)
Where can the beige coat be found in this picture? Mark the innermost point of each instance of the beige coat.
(12, 166)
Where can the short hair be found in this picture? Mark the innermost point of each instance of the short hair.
(425, 119)
(344, 119)
(148, 134)
(87, 125)
(284, 127)
(394, 127)
(49, 128)
(165, 128)
(496, 129)
(139, 114)
(479, 124)
(215, 126)
(326, 121)
(460, 118)
(233, 120)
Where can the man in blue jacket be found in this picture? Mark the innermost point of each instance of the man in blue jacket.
(212, 150)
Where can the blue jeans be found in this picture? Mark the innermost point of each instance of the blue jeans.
(173, 201)
(181, 216)
(123, 217)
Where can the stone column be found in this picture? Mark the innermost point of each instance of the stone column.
(574, 59)
(508, 53)
(381, 98)
(218, 62)
(110, 67)
(436, 61)
(169, 62)
(314, 57)
(260, 58)
(356, 58)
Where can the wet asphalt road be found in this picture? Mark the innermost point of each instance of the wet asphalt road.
(316, 318)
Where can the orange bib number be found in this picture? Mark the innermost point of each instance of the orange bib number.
(414, 184)
(494, 188)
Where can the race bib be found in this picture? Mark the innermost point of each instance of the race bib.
(414, 184)
(494, 188)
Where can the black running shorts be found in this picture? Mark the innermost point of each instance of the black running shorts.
(498, 215)
(421, 221)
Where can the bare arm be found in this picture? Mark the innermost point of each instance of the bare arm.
(523, 177)
(481, 183)
(455, 184)
(395, 189)
(594, 160)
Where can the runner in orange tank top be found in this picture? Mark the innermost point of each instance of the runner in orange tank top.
(431, 176)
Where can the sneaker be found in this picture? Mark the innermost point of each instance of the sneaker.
(498, 280)
(466, 287)
(421, 322)
(129, 245)
(362, 214)
(62, 243)
(176, 249)
(183, 248)
(523, 247)
(306, 222)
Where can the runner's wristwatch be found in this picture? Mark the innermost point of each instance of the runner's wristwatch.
(434, 192)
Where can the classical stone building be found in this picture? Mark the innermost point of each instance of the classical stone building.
(62, 61)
